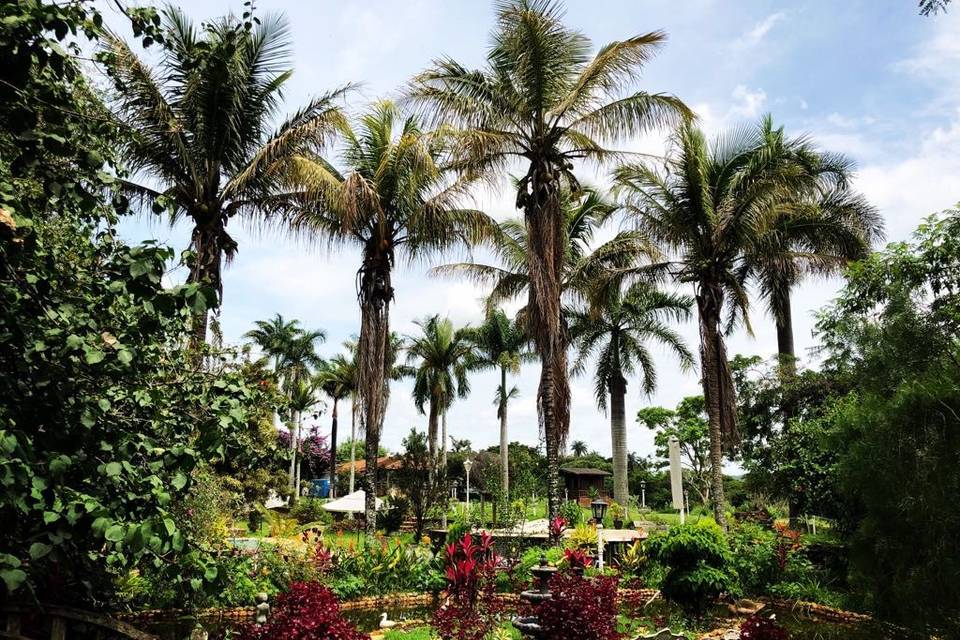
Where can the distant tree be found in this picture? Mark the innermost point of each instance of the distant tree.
(417, 479)
(688, 424)
(579, 448)
(337, 378)
(460, 446)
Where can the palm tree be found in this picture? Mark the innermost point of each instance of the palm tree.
(820, 230)
(616, 333)
(543, 100)
(708, 207)
(394, 197)
(442, 357)
(337, 379)
(197, 127)
(579, 448)
(273, 336)
(303, 397)
(500, 343)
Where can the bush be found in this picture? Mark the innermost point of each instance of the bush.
(309, 611)
(572, 513)
(471, 609)
(699, 567)
(310, 510)
(581, 608)
(391, 516)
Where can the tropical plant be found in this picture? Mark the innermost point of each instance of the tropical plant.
(614, 334)
(197, 126)
(337, 379)
(578, 448)
(698, 563)
(543, 99)
(471, 608)
(417, 478)
(442, 356)
(500, 343)
(393, 198)
(580, 609)
(708, 207)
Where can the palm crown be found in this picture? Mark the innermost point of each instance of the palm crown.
(199, 126)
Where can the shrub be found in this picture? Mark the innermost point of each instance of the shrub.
(583, 535)
(760, 628)
(391, 517)
(471, 609)
(698, 564)
(310, 510)
(580, 608)
(308, 611)
(572, 513)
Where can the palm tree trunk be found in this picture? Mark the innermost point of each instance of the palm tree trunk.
(443, 466)
(544, 219)
(718, 389)
(432, 430)
(294, 439)
(208, 242)
(353, 443)
(786, 351)
(333, 448)
(375, 295)
(618, 436)
(504, 444)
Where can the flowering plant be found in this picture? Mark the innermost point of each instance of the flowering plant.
(760, 628)
(471, 609)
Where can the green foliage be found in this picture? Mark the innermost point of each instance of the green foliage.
(310, 510)
(699, 567)
(893, 331)
(377, 568)
(688, 424)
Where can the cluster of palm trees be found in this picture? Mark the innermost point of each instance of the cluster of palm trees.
(755, 210)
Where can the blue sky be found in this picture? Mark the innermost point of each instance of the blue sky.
(868, 78)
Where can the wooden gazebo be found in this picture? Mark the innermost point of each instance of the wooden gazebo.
(580, 483)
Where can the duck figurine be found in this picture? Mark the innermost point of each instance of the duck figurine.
(385, 623)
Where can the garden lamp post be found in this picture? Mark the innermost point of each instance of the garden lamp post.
(466, 465)
(643, 494)
(599, 509)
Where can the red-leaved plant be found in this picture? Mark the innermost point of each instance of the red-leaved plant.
(308, 611)
(470, 609)
(760, 628)
(577, 558)
(580, 609)
(557, 526)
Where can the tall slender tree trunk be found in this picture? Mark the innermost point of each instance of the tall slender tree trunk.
(544, 220)
(432, 416)
(375, 293)
(786, 355)
(443, 465)
(504, 445)
(618, 436)
(353, 444)
(209, 242)
(786, 351)
(333, 448)
(294, 440)
(718, 389)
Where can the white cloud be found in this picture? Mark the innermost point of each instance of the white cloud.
(759, 31)
(750, 103)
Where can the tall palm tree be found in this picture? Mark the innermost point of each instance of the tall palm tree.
(543, 100)
(273, 336)
(500, 343)
(198, 128)
(708, 206)
(303, 397)
(579, 448)
(442, 356)
(394, 197)
(615, 334)
(821, 229)
(337, 379)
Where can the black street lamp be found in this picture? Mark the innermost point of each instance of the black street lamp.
(599, 509)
